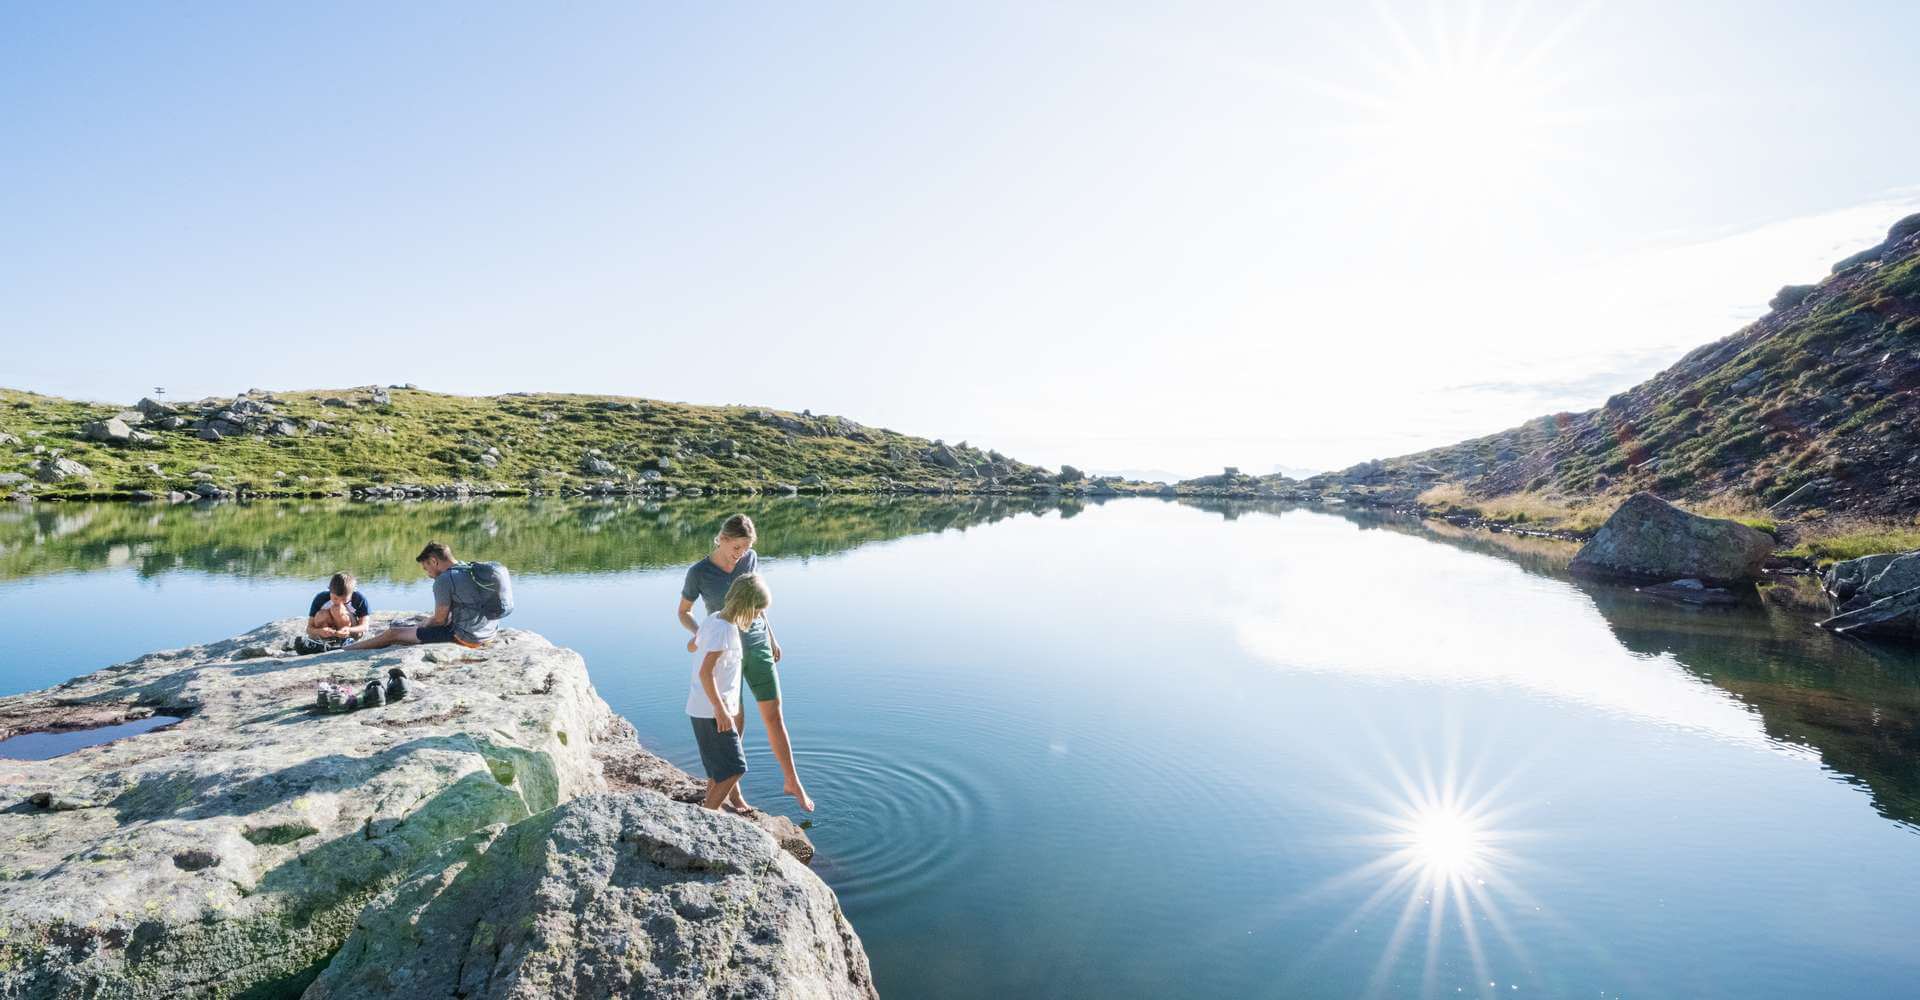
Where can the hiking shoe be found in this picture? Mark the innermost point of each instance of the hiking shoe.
(373, 696)
(396, 684)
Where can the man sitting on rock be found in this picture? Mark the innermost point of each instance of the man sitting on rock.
(459, 614)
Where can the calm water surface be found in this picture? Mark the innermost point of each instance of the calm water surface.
(1147, 750)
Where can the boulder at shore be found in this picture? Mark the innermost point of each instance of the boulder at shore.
(1885, 604)
(1649, 539)
(231, 853)
(630, 896)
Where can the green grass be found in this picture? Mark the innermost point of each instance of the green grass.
(433, 439)
(1854, 544)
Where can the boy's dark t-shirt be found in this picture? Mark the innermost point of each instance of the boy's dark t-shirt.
(358, 602)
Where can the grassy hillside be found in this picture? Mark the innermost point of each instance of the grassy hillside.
(356, 440)
(1812, 412)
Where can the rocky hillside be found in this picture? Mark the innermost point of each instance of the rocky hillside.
(375, 441)
(1813, 408)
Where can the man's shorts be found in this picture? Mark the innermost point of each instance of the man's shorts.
(721, 754)
(442, 633)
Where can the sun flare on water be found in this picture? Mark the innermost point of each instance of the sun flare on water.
(1444, 842)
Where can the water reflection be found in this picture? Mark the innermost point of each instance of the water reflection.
(311, 539)
(1757, 671)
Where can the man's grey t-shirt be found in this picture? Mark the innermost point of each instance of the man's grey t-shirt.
(709, 583)
(456, 589)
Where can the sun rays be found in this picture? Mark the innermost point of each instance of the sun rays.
(1468, 116)
(1440, 882)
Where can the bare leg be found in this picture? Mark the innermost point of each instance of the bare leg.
(783, 751)
(402, 636)
(717, 791)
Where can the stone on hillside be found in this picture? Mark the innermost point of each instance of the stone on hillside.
(112, 430)
(8, 440)
(1906, 227)
(228, 854)
(282, 428)
(170, 423)
(153, 408)
(1648, 538)
(132, 418)
(1791, 295)
(208, 432)
(336, 401)
(59, 470)
(1069, 474)
(379, 396)
(594, 465)
(627, 895)
(942, 456)
(12, 478)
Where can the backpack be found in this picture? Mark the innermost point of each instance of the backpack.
(496, 588)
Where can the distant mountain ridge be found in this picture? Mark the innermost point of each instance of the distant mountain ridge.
(1813, 407)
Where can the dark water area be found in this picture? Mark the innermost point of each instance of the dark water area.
(48, 745)
(1147, 749)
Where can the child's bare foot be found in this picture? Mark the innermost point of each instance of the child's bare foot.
(806, 801)
(738, 802)
(742, 810)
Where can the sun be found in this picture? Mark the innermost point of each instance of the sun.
(1445, 842)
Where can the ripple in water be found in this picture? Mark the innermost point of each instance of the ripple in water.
(894, 826)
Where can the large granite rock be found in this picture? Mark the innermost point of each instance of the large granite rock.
(1886, 604)
(1648, 538)
(1844, 579)
(1897, 575)
(620, 895)
(229, 854)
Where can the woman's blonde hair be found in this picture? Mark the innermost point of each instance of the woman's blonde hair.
(737, 526)
(745, 600)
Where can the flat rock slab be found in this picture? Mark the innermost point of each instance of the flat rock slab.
(229, 854)
(621, 895)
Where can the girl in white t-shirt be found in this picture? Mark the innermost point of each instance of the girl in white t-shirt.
(713, 702)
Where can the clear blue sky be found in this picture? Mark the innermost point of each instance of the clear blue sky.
(1128, 236)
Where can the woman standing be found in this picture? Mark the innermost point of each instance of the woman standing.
(708, 580)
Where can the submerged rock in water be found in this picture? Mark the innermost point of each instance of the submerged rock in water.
(1691, 591)
(231, 853)
(1648, 538)
(619, 895)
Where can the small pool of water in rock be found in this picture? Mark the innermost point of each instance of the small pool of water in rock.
(45, 746)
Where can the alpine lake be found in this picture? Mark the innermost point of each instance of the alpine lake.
(1161, 749)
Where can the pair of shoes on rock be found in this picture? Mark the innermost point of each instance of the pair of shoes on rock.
(335, 698)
